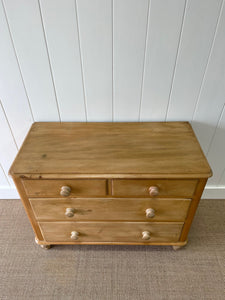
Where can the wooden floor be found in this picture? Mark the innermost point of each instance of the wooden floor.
(113, 272)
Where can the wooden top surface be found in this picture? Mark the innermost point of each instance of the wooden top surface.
(160, 149)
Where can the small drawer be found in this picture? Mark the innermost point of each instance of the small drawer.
(65, 188)
(135, 232)
(153, 188)
(107, 209)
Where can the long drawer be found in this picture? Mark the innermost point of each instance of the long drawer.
(153, 188)
(105, 209)
(110, 232)
(65, 187)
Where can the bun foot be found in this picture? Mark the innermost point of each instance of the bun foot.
(180, 245)
(46, 247)
(176, 247)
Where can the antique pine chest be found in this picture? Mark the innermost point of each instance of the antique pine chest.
(111, 183)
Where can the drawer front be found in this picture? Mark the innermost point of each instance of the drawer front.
(77, 188)
(153, 188)
(110, 209)
(110, 232)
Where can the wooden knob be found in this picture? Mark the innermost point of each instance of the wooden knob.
(65, 191)
(74, 235)
(70, 212)
(146, 235)
(153, 190)
(150, 213)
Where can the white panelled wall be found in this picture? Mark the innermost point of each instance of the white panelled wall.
(113, 60)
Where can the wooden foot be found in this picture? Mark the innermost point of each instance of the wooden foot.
(42, 246)
(180, 245)
(176, 247)
(46, 247)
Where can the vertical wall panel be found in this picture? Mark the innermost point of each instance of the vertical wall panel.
(27, 33)
(8, 148)
(12, 92)
(3, 179)
(95, 28)
(164, 28)
(60, 24)
(196, 40)
(212, 96)
(120, 60)
(216, 155)
(222, 180)
(129, 36)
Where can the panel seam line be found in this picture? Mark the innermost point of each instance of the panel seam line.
(144, 60)
(208, 61)
(49, 60)
(81, 61)
(17, 60)
(9, 125)
(5, 175)
(176, 59)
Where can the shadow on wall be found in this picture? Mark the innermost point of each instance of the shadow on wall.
(212, 141)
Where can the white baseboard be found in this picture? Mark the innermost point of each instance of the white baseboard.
(8, 192)
(214, 192)
(210, 192)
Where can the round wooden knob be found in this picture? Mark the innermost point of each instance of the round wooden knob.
(70, 212)
(150, 213)
(65, 191)
(146, 235)
(153, 190)
(74, 235)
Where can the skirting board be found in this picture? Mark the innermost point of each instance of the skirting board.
(210, 192)
(214, 192)
(8, 192)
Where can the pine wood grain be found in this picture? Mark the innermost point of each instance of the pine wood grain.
(192, 209)
(110, 231)
(108, 209)
(112, 148)
(140, 188)
(27, 207)
(106, 171)
(51, 188)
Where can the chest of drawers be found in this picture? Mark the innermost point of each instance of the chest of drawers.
(110, 183)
